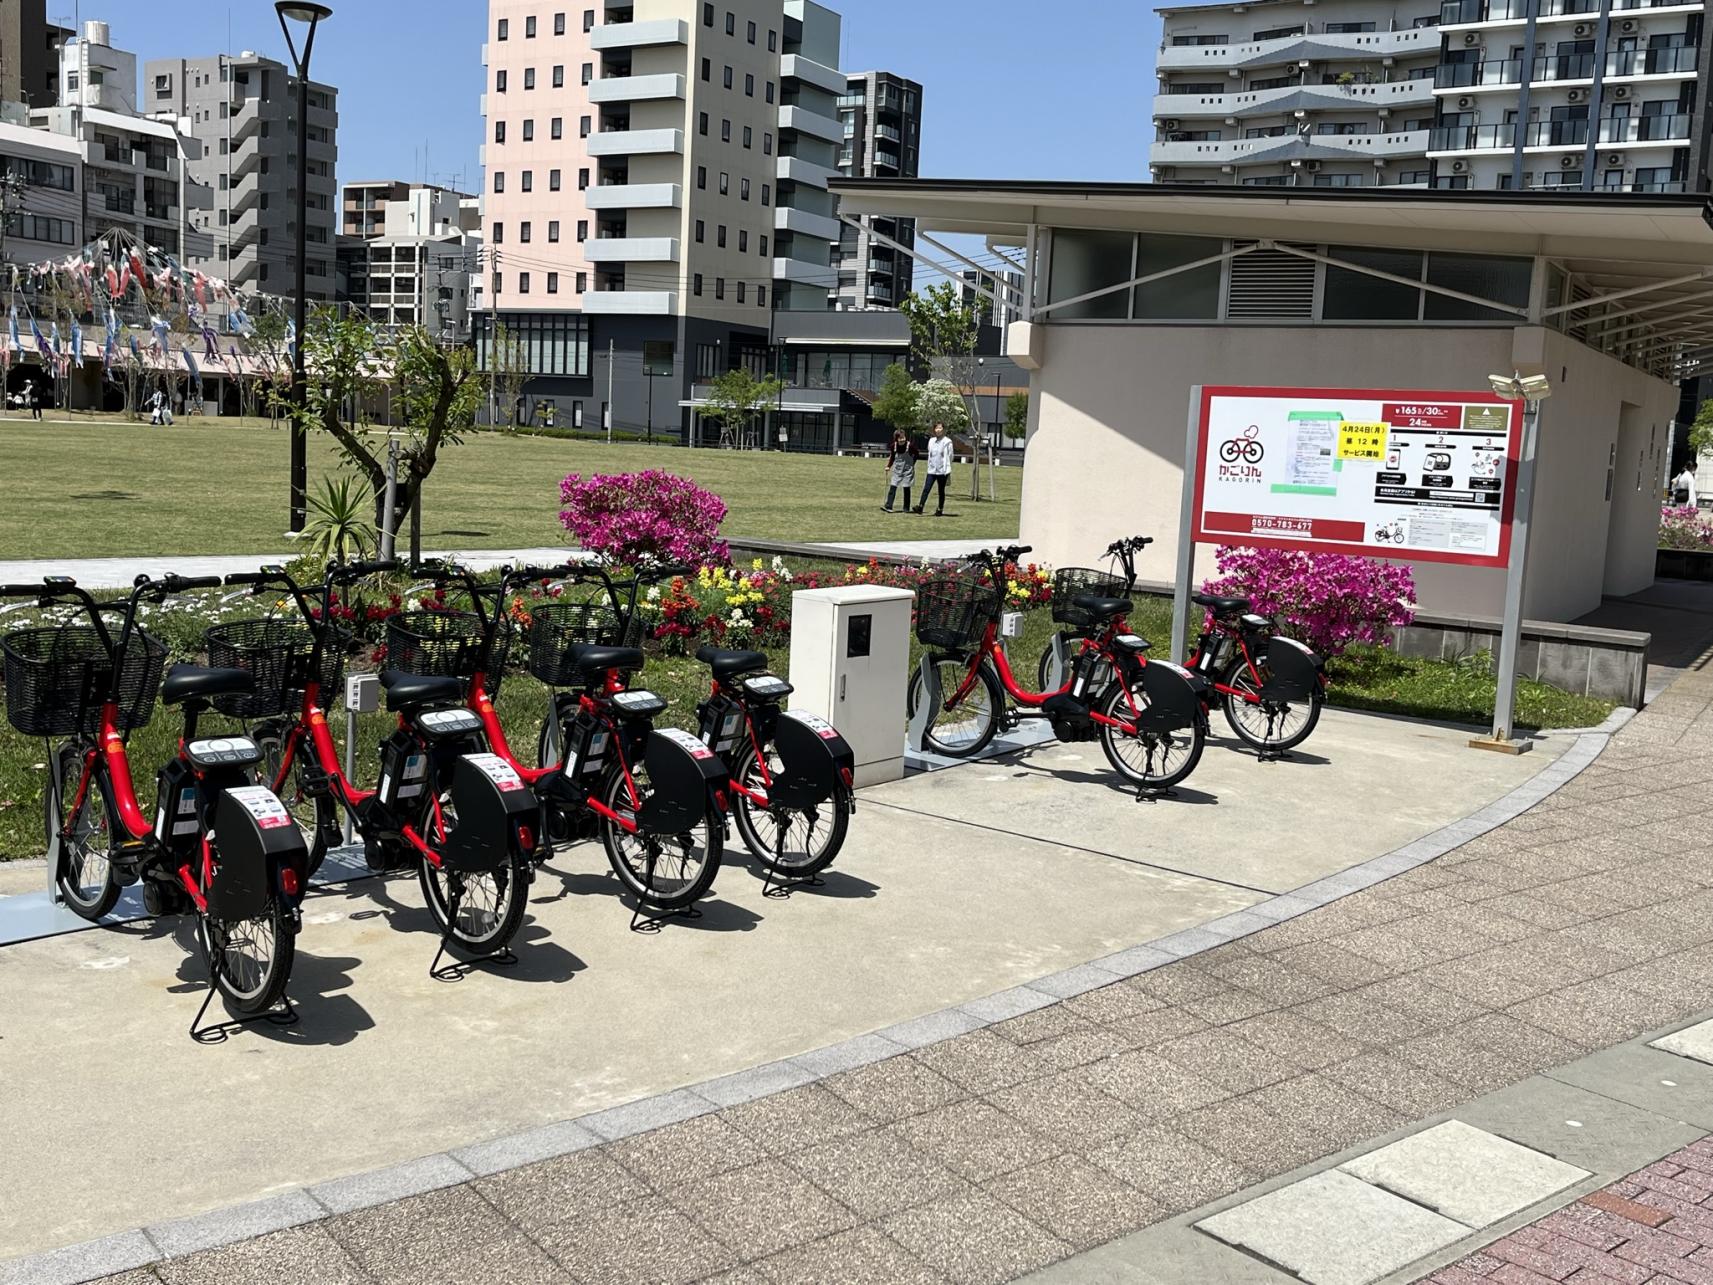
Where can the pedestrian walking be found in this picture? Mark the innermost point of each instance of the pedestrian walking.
(1683, 485)
(31, 402)
(939, 470)
(160, 408)
(900, 469)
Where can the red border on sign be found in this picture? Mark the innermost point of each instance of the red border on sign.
(1513, 457)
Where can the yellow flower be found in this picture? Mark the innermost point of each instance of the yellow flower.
(757, 564)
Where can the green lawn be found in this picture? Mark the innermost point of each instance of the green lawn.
(108, 488)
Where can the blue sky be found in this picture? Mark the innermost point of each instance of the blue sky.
(1010, 90)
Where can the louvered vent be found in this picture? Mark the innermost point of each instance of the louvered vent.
(1270, 283)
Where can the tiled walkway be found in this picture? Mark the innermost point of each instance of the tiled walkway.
(1653, 1228)
(1578, 925)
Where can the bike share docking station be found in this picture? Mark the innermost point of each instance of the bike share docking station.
(1023, 734)
(34, 915)
(850, 659)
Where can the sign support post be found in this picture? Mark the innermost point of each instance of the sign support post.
(1181, 589)
(1510, 638)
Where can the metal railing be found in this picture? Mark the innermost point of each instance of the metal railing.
(1644, 129)
(1556, 133)
(1471, 138)
(1492, 71)
(1652, 62)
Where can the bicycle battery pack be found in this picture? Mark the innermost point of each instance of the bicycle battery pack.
(496, 812)
(721, 724)
(404, 773)
(1293, 671)
(687, 777)
(815, 761)
(254, 837)
(178, 819)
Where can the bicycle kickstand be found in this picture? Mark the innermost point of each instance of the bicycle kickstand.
(1149, 794)
(777, 885)
(218, 1032)
(648, 919)
(458, 970)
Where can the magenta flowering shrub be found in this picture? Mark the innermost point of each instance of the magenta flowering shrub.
(1327, 600)
(652, 516)
(1685, 527)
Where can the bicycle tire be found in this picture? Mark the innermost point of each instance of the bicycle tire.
(87, 900)
(746, 814)
(1111, 738)
(952, 674)
(1237, 675)
(264, 991)
(320, 812)
(485, 926)
(652, 888)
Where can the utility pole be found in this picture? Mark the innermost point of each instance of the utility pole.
(611, 410)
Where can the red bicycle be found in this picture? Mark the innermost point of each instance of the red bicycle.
(1148, 717)
(220, 846)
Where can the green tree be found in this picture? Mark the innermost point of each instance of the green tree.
(508, 370)
(943, 332)
(1016, 417)
(1701, 432)
(341, 522)
(939, 402)
(898, 401)
(734, 398)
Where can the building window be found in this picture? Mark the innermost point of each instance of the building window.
(523, 283)
(582, 282)
(1181, 41)
(529, 28)
(701, 231)
(582, 229)
(696, 285)
(761, 296)
(1278, 33)
(772, 42)
(576, 414)
(728, 76)
(528, 131)
(725, 183)
(499, 180)
(584, 125)
(767, 194)
(752, 33)
(740, 291)
(588, 72)
(770, 91)
(582, 180)
(499, 131)
(743, 189)
(588, 20)
(559, 76)
(702, 124)
(764, 245)
(552, 283)
(552, 180)
(749, 85)
(559, 24)
(702, 177)
(767, 143)
(731, 23)
(505, 30)
(720, 236)
(528, 181)
(707, 15)
(496, 282)
(743, 241)
(719, 287)
(552, 231)
(529, 77)
(523, 231)
(725, 131)
(707, 69)
(558, 128)
(748, 137)
(500, 81)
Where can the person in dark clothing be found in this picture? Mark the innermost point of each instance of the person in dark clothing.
(900, 469)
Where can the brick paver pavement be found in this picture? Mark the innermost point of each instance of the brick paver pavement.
(1580, 924)
(1653, 1228)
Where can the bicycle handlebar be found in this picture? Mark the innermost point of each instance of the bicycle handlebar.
(171, 584)
(27, 590)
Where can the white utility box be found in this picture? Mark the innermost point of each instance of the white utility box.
(850, 660)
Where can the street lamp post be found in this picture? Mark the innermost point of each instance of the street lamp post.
(309, 14)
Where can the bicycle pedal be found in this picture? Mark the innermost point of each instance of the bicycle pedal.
(316, 783)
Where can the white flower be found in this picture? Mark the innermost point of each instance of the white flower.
(654, 593)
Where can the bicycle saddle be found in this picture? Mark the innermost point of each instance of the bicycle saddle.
(729, 664)
(409, 691)
(193, 682)
(1103, 608)
(593, 657)
(1220, 606)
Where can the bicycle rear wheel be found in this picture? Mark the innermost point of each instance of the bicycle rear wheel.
(82, 843)
(250, 959)
(314, 815)
(478, 912)
(1270, 725)
(791, 842)
(1155, 760)
(665, 871)
(965, 729)
(550, 752)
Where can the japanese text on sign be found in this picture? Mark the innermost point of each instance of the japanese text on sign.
(1362, 441)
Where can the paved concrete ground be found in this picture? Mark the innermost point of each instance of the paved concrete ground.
(921, 913)
(1679, 616)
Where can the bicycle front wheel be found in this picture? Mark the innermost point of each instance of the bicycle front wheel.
(794, 843)
(80, 835)
(250, 959)
(1155, 760)
(963, 725)
(1265, 725)
(665, 871)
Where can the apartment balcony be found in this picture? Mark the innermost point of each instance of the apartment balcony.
(1490, 73)
(794, 169)
(634, 89)
(632, 249)
(805, 273)
(1455, 15)
(819, 226)
(1549, 134)
(631, 303)
(1393, 95)
(1675, 64)
(635, 142)
(1448, 141)
(810, 72)
(634, 196)
(1291, 147)
(811, 123)
(484, 53)
(1654, 131)
(887, 134)
(635, 35)
(1311, 46)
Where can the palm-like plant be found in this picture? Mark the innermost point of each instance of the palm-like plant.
(341, 526)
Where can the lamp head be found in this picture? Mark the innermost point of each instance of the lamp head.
(303, 11)
(1521, 388)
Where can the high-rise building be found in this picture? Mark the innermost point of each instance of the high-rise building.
(655, 184)
(1602, 94)
(408, 254)
(29, 53)
(1285, 93)
(882, 118)
(243, 110)
(999, 306)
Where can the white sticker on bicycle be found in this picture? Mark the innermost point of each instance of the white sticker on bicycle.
(263, 805)
(496, 769)
(1179, 670)
(815, 723)
(678, 736)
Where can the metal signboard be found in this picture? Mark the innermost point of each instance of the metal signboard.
(1422, 476)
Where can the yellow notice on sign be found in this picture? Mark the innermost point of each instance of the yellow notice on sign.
(1362, 441)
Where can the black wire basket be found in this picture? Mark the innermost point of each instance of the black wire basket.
(57, 679)
(1068, 582)
(954, 614)
(555, 627)
(279, 653)
(440, 644)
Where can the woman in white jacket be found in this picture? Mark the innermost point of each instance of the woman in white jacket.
(939, 469)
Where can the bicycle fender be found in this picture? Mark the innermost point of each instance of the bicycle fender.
(685, 776)
(1293, 671)
(254, 839)
(496, 813)
(1174, 698)
(815, 761)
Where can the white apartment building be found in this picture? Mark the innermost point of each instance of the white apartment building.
(50, 224)
(1604, 94)
(410, 254)
(655, 184)
(1283, 93)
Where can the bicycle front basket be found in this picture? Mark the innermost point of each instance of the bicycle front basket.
(953, 614)
(58, 678)
(278, 653)
(556, 626)
(1068, 582)
(443, 644)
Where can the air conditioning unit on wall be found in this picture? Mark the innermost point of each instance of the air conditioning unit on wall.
(1620, 92)
(1575, 95)
(1569, 162)
(1615, 161)
(1584, 29)
(1628, 26)
(1465, 103)
(1460, 167)
(1471, 39)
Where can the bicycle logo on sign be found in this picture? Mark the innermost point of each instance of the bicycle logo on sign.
(1246, 448)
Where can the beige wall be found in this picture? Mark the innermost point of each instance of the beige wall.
(1108, 418)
